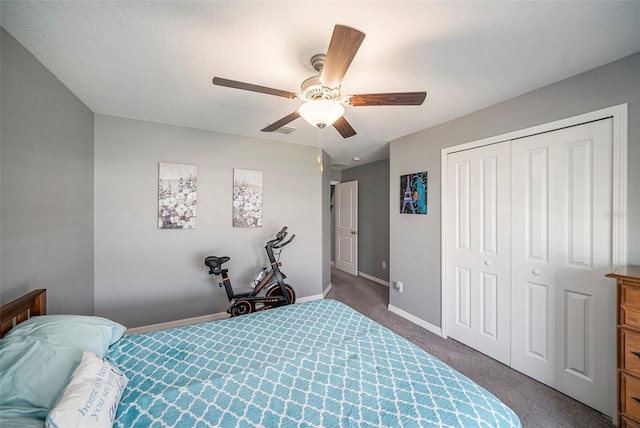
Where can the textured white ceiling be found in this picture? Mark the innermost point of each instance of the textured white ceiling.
(154, 60)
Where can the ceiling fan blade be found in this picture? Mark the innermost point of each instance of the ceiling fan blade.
(282, 122)
(388, 99)
(344, 128)
(219, 81)
(343, 46)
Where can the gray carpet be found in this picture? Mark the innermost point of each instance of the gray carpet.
(535, 404)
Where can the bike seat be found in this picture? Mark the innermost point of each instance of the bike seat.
(214, 262)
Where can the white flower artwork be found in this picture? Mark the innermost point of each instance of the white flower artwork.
(247, 198)
(177, 184)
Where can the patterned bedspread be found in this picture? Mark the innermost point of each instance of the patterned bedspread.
(313, 364)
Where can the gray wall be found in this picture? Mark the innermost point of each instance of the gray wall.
(326, 221)
(415, 240)
(336, 176)
(373, 216)
(146, 275)
(46, 185)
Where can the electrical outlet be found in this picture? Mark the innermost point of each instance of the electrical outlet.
(384, 264)
(398, 286)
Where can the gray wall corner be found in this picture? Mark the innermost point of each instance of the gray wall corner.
(46, 195)
(373, 216)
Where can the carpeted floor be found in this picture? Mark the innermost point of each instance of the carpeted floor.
(535, 404)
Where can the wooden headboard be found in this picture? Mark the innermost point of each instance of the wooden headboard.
(16, 311)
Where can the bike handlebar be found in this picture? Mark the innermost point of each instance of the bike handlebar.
(284, 243)
(280, 235)
(277, 242)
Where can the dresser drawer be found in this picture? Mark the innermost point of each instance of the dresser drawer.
(630, 296)
(631, 348)
(630, 396)
(628, 423)
(630, 316)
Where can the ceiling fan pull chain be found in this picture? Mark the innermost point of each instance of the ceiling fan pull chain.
(319, 139)
(320, 149)
(321, 166)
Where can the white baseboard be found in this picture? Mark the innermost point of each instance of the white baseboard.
(326, 291)
(374, 279)
(177, 323)
(204, 318)
(309, 298)
(414, 319)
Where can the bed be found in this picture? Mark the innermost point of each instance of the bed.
(318, 363)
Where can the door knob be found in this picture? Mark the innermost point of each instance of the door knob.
(536, 272)
(353, 232)
(488, 263)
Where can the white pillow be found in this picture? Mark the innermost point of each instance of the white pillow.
(92, 396)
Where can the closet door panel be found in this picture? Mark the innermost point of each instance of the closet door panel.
(586, 301)
(489, 205)
(536, 319)
(489, 305)
(463, 205)
(536, 192)
(578, 309)
(463, 297)
(533, 279)
(561, 192)
(579, 188)
(477, 244)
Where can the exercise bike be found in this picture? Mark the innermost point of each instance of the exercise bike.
(268, 287)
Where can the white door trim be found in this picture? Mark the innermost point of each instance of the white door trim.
(619, 116)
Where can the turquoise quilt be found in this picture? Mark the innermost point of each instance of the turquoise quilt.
(313, 364)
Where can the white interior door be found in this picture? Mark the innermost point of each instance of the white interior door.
(478, 249)
(561, 250)
(346, 226)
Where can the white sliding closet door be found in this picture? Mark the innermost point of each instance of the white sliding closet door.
(478, 245)
(561, 250)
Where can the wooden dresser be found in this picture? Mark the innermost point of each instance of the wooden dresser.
(628, 320)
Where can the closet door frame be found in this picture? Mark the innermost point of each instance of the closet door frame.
(619, 116)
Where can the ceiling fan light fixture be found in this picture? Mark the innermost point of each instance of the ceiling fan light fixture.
(321, 113)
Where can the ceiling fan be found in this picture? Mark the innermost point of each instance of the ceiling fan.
(323, 101)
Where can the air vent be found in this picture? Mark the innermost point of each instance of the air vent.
(285, 130)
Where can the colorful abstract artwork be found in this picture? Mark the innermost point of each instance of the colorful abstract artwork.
(177, 186)
(413, 193)
(247, 198)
